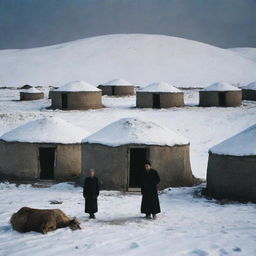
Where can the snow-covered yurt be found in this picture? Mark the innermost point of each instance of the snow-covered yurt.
(231, 171)
(249, 91)
(31, 94)
(47, 148)
(159, 95)
(117, 87)
(118, 152)
(220, 94)
(76, 95)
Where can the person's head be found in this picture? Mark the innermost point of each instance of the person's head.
(147, 165)
(91, 172)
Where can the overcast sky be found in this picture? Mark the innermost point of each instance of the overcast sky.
(32, 23)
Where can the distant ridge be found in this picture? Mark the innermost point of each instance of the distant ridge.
(139, 58)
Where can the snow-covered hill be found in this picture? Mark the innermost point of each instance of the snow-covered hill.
(247, 52)
(140, 58)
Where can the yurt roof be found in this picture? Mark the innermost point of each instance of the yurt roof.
(77, 86)
(46, 130)
(160, 87)
(250, 86)
(241, 144)
(135, 131)
(221, 86)
(31, 90)
(118, 82)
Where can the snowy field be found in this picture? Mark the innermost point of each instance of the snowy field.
(189, 225)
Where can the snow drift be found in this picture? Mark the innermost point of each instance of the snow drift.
(140, 58)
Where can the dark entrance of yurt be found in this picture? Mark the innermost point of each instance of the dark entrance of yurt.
(222, 99)
(47, 157)
(156, 100)
(64, 101)
(112, 90)
(138, 156)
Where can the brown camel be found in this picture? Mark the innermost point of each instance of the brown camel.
(39, 220)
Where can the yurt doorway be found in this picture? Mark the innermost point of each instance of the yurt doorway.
(222, 99)
(64, 101)
(113, 90)
(156, 100)
(138, 156)
(46, 158)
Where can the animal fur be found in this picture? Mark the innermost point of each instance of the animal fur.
(29, 219)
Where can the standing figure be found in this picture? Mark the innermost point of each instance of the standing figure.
(90, 193)
(150, 202)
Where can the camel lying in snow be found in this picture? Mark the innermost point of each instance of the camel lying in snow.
(28, 219)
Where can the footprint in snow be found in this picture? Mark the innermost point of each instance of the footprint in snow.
(133, 245)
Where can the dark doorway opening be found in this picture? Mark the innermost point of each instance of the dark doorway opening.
(138, 156)
(46, 157)
(156, 100)
(64, 100)
(222, 99)
(113, 90)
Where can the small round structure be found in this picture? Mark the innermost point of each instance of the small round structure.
(249, 91)
(31, 94)
(76, 95)
(118, 153)
(117, 87)
(220, 95)
(26, 86)
(48, 148)
(231, 171)
(159, 95)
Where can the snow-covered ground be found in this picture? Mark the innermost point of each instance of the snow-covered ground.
(247, 52)
(139, 58)
(189, 225)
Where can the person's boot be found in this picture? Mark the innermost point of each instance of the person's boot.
(148, 216)
(154, 216)
(92, 216)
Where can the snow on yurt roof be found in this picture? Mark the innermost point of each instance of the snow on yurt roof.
(31, 90)
(241, 144)
(46, 130)
(77, 86)
(160, 87)
(118, 82)
(250, 86)
(221, 86)
(135, 131)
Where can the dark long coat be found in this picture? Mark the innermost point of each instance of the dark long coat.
(90, 193)
(150, 202)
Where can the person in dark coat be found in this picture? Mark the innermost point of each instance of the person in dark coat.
(150, 202)
(90, 193)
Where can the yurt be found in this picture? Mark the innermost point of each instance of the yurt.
(159, 95)
(249, 91)
(220, 95)
(231, 171)
(76, 95)
(118, 152)
(50, 92)
(47, 148)
(31, 94)
(117, 87)
(26, 86)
